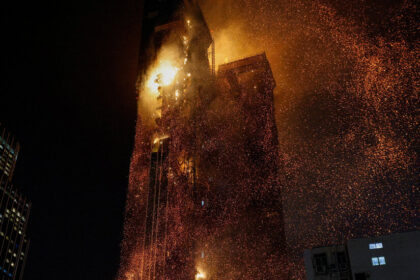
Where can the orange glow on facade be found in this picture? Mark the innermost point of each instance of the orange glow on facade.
(162, 75)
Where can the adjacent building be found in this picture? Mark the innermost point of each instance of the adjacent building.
(14, 213)
(389, 257)
(9, 150)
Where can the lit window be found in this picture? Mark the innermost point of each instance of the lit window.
(378, 261)
(202, 203)
(375, 246)
(382, 261)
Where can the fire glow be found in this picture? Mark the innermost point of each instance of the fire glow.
(161, 75)
(200, 276)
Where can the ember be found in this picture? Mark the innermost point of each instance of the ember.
(210, 193)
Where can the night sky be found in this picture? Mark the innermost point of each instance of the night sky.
(68, 94)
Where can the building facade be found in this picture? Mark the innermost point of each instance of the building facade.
(389, 257)
(9, 150)
(14, 213)
(204, 198)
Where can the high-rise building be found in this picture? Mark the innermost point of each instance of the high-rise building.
(14, 213)
(204, 196)
(394, 256)
(9, 150)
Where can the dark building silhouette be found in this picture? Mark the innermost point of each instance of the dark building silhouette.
(9, 150)
(393, 256)
(14, 213)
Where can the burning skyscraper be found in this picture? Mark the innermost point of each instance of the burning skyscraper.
(204, 195)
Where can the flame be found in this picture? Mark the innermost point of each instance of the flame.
(162, 75)
(200, 275)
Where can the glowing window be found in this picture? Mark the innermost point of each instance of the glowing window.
(382, 261)
(378, 261)
(375, 246)
(202, 203)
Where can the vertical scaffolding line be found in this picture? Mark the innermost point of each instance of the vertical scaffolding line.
(161, 148)
(145, 228)
(213, 58)
(166, 231)
(153, 215)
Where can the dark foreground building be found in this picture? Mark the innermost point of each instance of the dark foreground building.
(204, 196)
(14, 213)
(394, 256)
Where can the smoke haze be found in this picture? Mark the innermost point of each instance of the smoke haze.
(346, 97)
